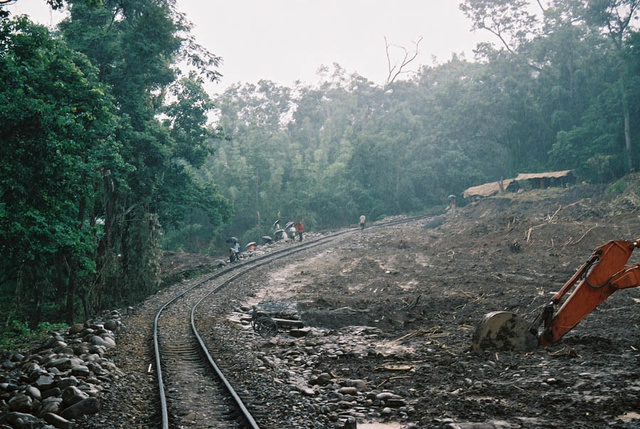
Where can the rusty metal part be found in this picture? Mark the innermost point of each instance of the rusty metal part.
(502, 330)
(265, 326)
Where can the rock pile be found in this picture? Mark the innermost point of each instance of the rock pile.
(60, 380)
(315, 374)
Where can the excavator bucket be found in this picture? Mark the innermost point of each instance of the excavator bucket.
(501, 330)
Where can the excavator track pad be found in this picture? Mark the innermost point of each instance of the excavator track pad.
(501, 330)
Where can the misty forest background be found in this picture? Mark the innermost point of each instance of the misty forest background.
(108, 155)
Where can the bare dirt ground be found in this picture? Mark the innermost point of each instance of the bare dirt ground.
(426, 285)
(400, 305)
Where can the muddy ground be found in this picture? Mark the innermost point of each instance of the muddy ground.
(425, 285)
(400, 305)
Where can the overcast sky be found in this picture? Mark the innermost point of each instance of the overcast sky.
(288, 40)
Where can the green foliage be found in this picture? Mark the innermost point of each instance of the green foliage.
(16, 336)
(56, 129)
(617, 187)
(135, 44)
(89, 175)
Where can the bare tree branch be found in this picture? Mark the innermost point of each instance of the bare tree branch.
(498, 34)
(396, 70)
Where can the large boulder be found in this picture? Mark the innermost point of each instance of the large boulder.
(21, 403)
(18, 420)
(84, 407)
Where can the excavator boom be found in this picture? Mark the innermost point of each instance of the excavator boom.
(603, 274)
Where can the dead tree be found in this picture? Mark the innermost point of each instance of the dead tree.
(396, 69)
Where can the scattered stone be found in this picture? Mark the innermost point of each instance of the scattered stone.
(80, 371)
(57, 421)
(34, 392)
(305, 390)
(52, 404)
(299, 333)
(60, 380)
(348, 390)
(21, 403)
(72, 395)
(322, 379)
(17, 420)
(84, 407)
(76, 328)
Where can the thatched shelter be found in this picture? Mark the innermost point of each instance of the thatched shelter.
(490, 189)
(522, 181)
(545, 180)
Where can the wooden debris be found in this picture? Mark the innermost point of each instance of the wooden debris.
(432, 333)
(392, 378)
(395, 368)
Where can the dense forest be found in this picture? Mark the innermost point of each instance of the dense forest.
(111, 150)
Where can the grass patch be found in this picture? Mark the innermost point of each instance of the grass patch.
(616, 188)
(18, 337)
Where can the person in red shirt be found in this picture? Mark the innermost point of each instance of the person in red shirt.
(300, 228)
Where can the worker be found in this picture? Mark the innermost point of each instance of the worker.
(280, 234)
(363, 219)
(299, 228)
(452, 203)
(234, 252)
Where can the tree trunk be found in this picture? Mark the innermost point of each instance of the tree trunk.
(73, 267)
(35, 308)
(71, 290)
(626, 115)
(85, 307)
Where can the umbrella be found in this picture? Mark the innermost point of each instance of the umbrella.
(279, 231)
(267, 239)
(288, 225)
(253, 243)
(276, 222)
(232, 240)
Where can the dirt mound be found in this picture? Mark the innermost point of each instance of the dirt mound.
(425, 285)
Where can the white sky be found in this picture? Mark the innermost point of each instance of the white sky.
(288, 40)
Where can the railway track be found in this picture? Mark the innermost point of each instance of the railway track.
(193, 391)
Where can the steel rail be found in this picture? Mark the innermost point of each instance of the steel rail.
(247, 267)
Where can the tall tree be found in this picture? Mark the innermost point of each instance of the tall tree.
(512, 22)
(136, 45)
(190, 205)
(614, 17)
(56, 130)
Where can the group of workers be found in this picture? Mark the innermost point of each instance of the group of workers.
(294, 228)
(290, 230)
(297, 228)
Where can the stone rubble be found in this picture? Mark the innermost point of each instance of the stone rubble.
(309, 368)
(60, 380)
(61, 383)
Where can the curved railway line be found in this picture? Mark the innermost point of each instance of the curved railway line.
(192, 388)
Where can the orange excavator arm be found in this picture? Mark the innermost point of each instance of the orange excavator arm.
(603, 274)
